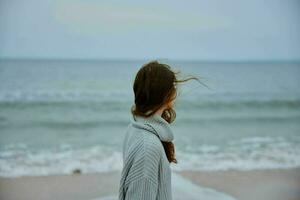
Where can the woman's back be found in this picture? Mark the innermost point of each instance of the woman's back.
(146, 172)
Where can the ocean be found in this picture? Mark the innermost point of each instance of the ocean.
(61, 115)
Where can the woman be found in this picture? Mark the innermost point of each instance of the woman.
(148, 149)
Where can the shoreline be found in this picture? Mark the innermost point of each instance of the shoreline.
(59, 187)
(258, 184)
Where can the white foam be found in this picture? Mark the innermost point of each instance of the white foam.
(63, 95)
(185, 189)
(94, 159)
(245, 154)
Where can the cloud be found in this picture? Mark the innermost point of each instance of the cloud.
(86, 17)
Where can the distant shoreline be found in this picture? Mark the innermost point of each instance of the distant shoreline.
(230, 61)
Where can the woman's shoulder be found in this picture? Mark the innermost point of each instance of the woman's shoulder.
(149, 140)
(152, 142)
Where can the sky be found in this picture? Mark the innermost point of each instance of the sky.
(183, 30)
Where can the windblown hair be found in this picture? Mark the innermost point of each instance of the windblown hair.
(154, 86)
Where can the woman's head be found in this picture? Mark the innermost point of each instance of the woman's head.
(155, 89)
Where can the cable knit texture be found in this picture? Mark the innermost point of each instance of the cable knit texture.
(146, 173)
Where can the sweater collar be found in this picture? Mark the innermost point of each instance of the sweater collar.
(155, 124)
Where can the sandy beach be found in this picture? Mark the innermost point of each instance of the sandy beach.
(277, 184)
(59, 187)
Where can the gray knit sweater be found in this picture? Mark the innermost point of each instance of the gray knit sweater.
(146, 172)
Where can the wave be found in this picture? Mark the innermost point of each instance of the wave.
(227, 119)
(23, 161)
(62, 125)
(244, 154)
(236, 104)
(61, 96)
(124, 101)
(122, 121)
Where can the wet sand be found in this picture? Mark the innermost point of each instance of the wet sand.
(278, 184)
(275, 184)
(59, 187)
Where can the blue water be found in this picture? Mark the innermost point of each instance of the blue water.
(58, 115)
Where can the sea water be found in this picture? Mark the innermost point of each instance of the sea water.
(61, 115)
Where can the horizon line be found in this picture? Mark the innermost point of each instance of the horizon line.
(145, 59)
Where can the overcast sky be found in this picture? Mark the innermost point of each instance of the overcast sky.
(197, 30)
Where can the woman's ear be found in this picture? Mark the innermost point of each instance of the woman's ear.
(171, 103)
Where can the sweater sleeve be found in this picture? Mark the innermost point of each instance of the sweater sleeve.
(142, 189)
(144, 185)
